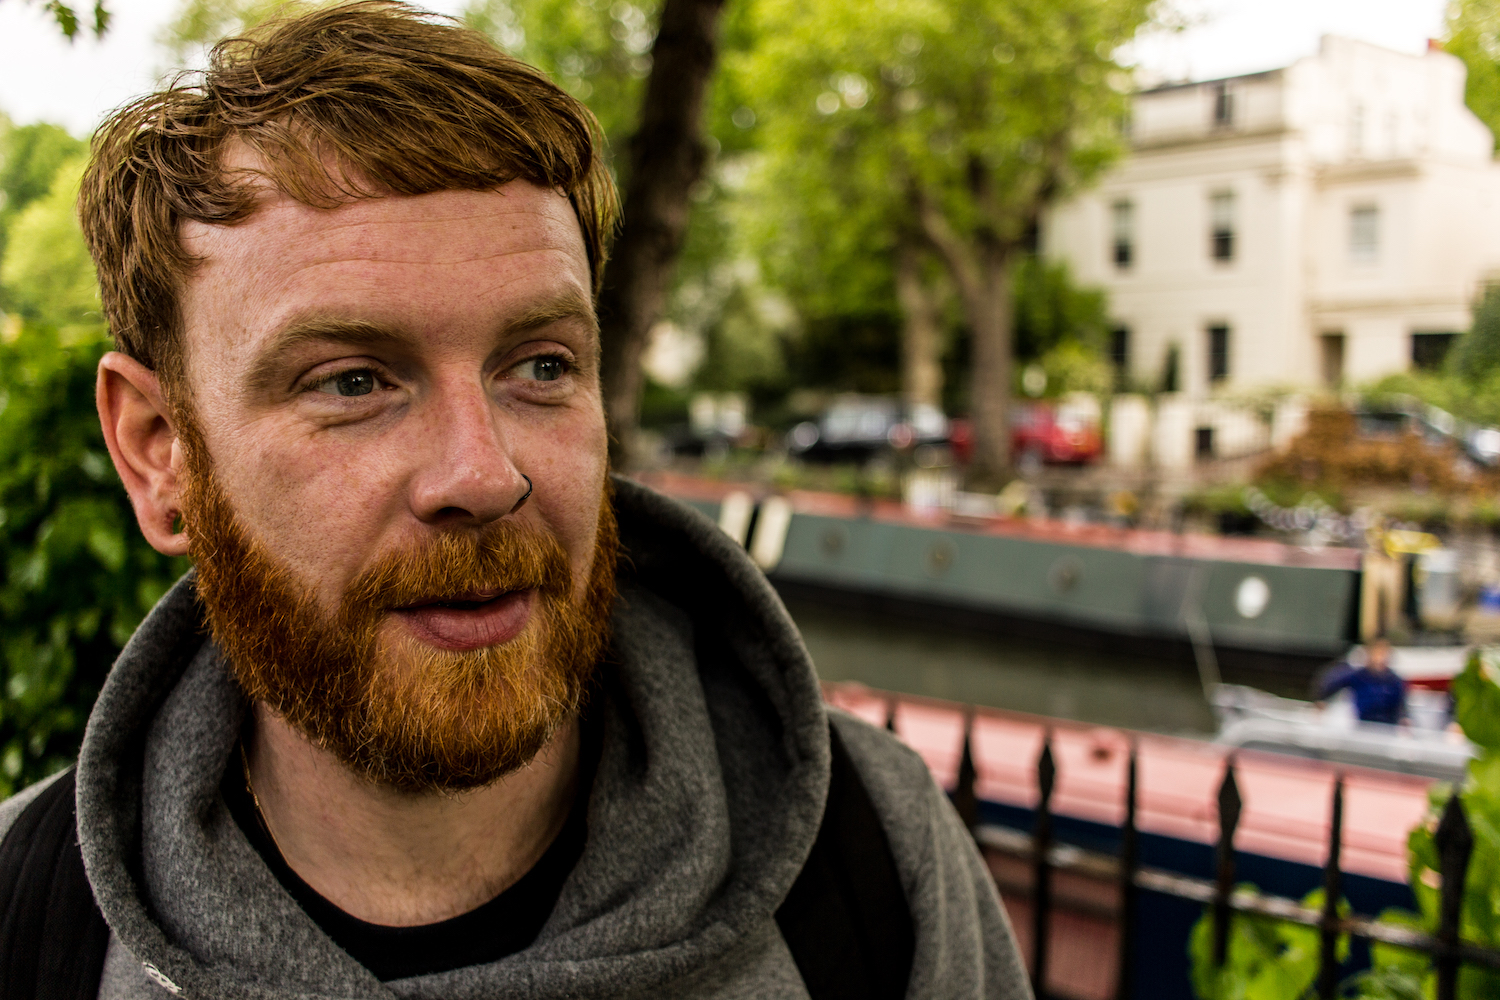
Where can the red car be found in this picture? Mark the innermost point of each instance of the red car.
(1051, 433)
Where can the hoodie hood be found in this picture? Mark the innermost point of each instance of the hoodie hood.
(710, 787)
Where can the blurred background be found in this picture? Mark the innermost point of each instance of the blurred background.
(1164, 336)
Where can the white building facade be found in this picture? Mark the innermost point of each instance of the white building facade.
(1323, 224)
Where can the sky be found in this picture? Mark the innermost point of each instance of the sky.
(44, 78)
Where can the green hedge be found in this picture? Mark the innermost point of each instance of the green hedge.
(76, 576)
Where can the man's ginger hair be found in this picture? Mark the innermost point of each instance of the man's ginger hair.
(344, 102)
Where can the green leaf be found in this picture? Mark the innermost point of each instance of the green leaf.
(1476, 696)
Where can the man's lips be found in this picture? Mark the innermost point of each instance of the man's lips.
(468, 621)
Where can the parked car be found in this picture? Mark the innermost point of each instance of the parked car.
(857, 426)
(1403, 414)
(1054, 433)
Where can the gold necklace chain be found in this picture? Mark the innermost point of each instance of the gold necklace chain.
(260, 814)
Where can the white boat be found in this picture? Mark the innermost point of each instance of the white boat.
(1427, 745)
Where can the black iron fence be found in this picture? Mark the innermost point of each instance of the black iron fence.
(1453, 840)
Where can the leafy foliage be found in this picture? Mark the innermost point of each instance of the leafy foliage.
(1474, 36)
(30, 156)
(76, 576)
(1476, 356)
(67, 18)
(598, 51)
(200, 23)
(1468, 386)
(46, 272)
(1267, 959)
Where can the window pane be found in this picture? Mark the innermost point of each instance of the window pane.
(1429, 350)
(1223, 105)
(1221, 215)
(1364, 232)
(1218, 353)
(1119, 354)
(1123, 221)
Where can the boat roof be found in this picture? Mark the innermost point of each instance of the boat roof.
(1186, 545)
(1287, 801)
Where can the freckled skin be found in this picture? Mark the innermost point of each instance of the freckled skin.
(327, 483)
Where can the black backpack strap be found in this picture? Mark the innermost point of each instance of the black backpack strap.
(846, 919)
(52, 936)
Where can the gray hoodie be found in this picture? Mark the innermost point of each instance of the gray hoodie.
(709, 791)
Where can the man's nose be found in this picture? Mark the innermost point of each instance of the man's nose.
(465, 471)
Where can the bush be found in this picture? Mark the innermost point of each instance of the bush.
(77, 577)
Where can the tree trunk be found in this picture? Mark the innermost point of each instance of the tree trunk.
(921, 330)
(982, 267)
(991, 320)
(667, 155)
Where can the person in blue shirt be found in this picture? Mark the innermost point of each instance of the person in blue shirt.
(1379, 692)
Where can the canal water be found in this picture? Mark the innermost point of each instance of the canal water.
(982, 667)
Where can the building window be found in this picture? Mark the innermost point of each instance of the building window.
(1119, 355)
(1364, 233)
(1203, 443)
(1430, 350)
(1223, 106)
(1332, 358)
(1357, 129)
(1218, 353)
(1221, 225)
(1122, 218)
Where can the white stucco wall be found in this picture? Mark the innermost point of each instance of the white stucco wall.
(1354, 125)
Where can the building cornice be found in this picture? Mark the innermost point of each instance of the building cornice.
(1179, 141)
(1387, 303)
(1368, 170)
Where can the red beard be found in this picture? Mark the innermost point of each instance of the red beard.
(401, 712)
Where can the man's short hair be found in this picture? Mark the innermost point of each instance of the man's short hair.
(349, 101)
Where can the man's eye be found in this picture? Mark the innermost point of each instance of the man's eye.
(355, 382)
(546, 368)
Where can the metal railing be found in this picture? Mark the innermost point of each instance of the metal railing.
(1453, 839)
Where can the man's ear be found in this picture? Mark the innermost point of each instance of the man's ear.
(143, 442)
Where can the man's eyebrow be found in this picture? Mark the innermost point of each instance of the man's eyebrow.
(266, 375)
(567, 306)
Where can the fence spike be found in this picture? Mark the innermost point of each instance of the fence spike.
(1328, 958)
(1454, 842)
(964, 798)
(1041, 881)
(1229, 818)
(1046, 768)
(1129, 862)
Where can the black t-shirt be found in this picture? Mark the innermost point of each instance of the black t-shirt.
(505, 925)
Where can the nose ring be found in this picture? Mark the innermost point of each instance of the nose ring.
(529, 487)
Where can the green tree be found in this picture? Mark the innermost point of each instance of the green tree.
(75, 574)
(1476, 356)
(30, 156)
(67, 18)
(1474, 36)
(957, 122)
(199, 24)
(598, 51)
(1052, 310)
(46, 273)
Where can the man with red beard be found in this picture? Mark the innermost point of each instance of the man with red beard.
(442, 711)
